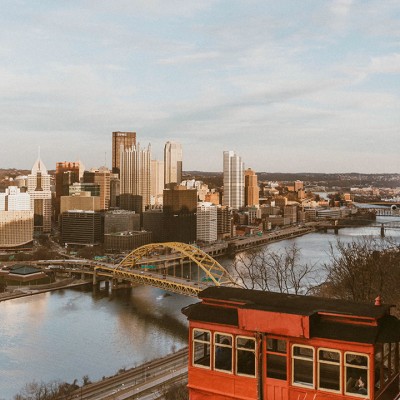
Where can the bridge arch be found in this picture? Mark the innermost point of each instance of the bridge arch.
(213, 270)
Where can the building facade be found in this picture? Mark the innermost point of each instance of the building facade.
(39, 191)
(124, 140)
(67, 173)
(251, 189)
(157, 182)
(172, 164)
(206, 220)
(16, 218)
(81, 228)
(135, 175)
(233, 180)
(121, 221)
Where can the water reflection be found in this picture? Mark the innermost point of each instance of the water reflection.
(84, 333)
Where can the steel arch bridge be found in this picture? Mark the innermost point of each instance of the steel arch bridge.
(151, 264)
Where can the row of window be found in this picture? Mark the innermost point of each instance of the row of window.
(223, 350)
(335, 371)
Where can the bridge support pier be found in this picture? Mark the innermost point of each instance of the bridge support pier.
(94, 277)
(382, 230)
(336, 230)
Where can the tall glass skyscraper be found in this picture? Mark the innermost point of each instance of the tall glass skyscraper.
(172, 164)
(233, 180)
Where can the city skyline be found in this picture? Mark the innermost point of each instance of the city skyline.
(292, 87)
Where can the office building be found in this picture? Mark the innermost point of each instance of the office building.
(153, 221)
(126, 241)
(224, 222)
(121, 221)
(80, 201)
(114, 190)
(120, 142)
(81, 227)
(67, 173)
(179, 210)
(233, 180)
(40, 195)
(157, 182)
(100, 177)
(135, 178)
(206, 221)
(16, 218)
(251, 189)
(172, 164)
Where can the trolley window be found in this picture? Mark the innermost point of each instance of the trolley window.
(303, 366)
(329, 370)
(245, 356)
(223, 352)
(276, 359)
(356, 374)
(201, 348)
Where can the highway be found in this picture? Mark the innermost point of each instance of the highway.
(144, 382)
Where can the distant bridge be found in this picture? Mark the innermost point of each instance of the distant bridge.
(338, 224)
(175, 267)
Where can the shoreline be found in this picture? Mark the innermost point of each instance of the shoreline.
(31, 292)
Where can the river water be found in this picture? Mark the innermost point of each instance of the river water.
(69, 333)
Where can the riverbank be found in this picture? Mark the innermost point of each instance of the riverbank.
(30, 291)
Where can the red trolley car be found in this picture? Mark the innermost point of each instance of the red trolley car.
(248, 344)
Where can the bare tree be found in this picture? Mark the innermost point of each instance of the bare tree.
(177, 391)
(54, 390)
(279, 271)
(362, 270)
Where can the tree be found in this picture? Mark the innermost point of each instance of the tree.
(46, 391)
(279, 271)
(363, 269)
(178, 391)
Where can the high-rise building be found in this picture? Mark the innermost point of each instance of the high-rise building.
(16, 218)
(172, 164)
(233, 180)
(80, 201)
(135, 178)
(206, 218)
(157, 181)
(81, 227)
(251, 189)
(125, 139)
(40, 194)
(179, 211)
(67, 173)
(100, 177)
(224, 222)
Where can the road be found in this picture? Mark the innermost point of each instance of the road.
(144, 382)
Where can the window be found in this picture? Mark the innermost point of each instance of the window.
(276, 359)
(329, 370)
(303, 366)
(356, 370)
(245, 355)
(223, 352)
(201, 348)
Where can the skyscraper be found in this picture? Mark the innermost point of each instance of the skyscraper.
(16, 218)
(135, 178)
(251, 190)
(40, 194)
(124, 139)
(233, 180)
(67, 173)
(172, 164)
(157, 181)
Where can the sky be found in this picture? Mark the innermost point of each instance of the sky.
(291, 86)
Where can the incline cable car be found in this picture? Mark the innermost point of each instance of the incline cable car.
(248, 344)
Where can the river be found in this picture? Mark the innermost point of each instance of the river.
(69, 333)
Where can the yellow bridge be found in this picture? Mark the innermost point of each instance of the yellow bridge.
(172, 266)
